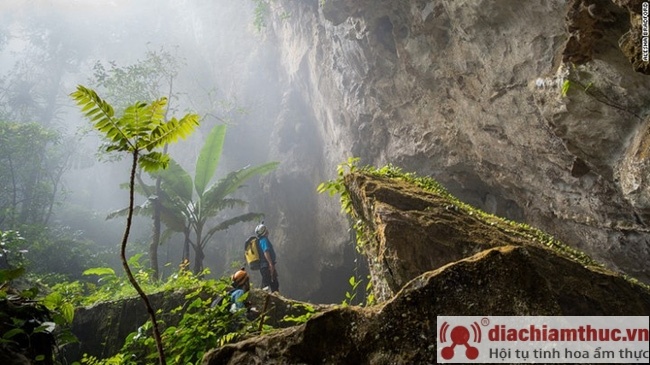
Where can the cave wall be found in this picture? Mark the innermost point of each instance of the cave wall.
(470, 93)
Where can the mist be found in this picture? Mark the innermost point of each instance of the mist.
(225, 71)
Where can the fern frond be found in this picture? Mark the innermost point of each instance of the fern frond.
(171, 131)
(101, 115)
(158, 109)
(153, 161)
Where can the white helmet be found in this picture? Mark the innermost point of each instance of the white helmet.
(261, 230)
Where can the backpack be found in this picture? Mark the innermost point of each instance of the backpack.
(252, 253)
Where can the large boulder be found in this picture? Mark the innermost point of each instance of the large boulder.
(502, 281)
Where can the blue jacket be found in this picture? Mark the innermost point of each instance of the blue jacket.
(237, 303)
(266, 245)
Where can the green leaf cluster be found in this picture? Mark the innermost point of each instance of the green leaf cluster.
(308, 310)
(189, 204)
(26, 318)
(142, 127)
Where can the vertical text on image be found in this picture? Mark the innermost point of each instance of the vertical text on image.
(645, 45)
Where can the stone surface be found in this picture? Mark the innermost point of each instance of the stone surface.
(506, 281)
(470, 92)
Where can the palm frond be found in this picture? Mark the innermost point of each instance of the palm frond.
(210, 207)
(143, 209)
(234, 180)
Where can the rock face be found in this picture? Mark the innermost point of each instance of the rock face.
(529, 110)
(490, 272)
(102, 328)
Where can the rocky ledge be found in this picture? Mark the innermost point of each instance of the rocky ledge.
(433, 255)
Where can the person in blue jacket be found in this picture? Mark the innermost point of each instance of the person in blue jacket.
(267, 265)
(240, 286)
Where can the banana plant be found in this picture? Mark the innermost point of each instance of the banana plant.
(138, 132)
(190, 205)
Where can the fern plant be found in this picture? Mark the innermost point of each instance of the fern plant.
(139, 132)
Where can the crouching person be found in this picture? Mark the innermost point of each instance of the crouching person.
(240, 285)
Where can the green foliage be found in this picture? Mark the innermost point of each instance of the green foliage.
(119, 359)
(26, 319)
(201, 327)
(333, 187)
(309, 312)
(32, 161)
(52, 253)
(12, 249)
(565, 87)
(108, 286)
(8, 275)
(260, 12)
(351, 295)
(579, 77)
(141, 128)
(209, 157)
(143, 80)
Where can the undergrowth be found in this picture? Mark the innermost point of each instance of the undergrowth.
(200, 325)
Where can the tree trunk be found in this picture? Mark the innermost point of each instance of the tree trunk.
(129, 274)
(186, 245)
(155, 237)
(198, 260)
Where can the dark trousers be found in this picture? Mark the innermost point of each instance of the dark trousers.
(269, 281)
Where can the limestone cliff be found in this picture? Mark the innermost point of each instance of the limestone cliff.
(532, 110)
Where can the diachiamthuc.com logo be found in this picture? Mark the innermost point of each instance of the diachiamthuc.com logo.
(459, 336)
(543, 339)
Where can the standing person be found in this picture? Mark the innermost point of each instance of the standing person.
(267, 264)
